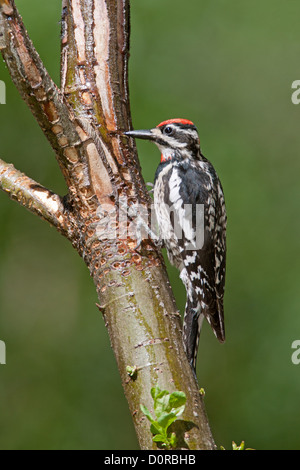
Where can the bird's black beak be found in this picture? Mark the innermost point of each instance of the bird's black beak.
(142, 134)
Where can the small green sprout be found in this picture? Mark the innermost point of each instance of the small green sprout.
(240, 447)
(167, 408)
(236, 446)
(132, 371)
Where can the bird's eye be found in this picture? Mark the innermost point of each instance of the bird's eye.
(168, 130)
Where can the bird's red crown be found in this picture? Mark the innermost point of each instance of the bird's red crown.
(185, 122)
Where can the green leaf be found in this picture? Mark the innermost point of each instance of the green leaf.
(155, 428)
(173, 440)
(167, 407)
(147, 413)
(166, 419)
(155, 391)
(161, 400)
(159, 438)
(177, 400)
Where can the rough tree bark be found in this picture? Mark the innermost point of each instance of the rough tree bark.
(83, 122)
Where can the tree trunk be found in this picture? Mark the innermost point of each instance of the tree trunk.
(83, 121)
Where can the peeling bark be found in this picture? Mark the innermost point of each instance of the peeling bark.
(83, 122)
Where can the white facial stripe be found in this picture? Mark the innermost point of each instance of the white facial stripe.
(172, 141)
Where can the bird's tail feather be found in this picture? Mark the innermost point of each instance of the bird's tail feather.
(192, 323)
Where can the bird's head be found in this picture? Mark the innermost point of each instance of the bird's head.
(175, 138)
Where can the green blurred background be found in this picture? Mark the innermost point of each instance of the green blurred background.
(228, 65)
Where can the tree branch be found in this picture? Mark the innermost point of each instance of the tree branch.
(34, 83)
(37, 199)
(55, 117)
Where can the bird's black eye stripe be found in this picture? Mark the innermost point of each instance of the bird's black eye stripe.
(168, 130)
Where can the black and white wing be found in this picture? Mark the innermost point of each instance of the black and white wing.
(201, 214)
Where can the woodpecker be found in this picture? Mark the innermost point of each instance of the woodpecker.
(187, 191)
